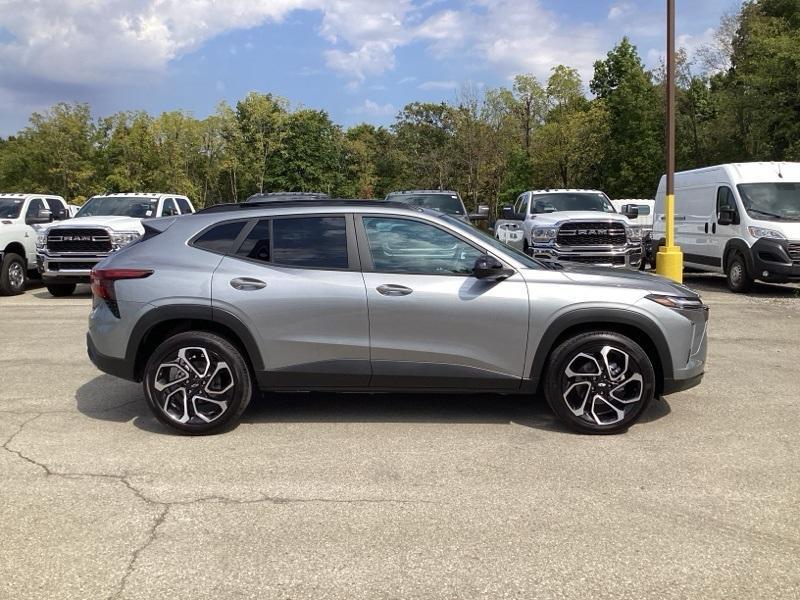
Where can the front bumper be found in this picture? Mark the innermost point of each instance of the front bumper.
(776, 260)
(628, 256)
(56, 268)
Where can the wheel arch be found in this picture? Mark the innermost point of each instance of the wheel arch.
(740, 246)
(15, 248)
(163, 322)
(641, 329)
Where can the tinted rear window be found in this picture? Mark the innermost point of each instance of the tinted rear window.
(256, 244)
(310, 242)
(184, 205)
(220, 238)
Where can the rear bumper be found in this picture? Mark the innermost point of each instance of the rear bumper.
(118, 367)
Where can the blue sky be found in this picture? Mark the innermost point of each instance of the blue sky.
(361, 60)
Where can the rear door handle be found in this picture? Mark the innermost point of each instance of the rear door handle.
(247, 284)
(394, 290)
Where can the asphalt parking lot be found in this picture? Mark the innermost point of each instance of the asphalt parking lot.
(354, 496)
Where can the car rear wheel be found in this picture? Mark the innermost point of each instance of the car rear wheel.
(197, 383)
(13, 275)
(599, 382)
(739, 279)
(60, 290)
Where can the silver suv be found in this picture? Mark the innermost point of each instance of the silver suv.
(377, 297)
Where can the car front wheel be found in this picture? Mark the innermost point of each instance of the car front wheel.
(599, 382)
(13, 275)
(197, 383)
(739, 279)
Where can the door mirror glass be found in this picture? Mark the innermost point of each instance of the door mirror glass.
(631, 211)
(489, 268)
(726, 216)
(41, 216)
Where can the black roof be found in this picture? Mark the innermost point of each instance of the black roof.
(322, 202)
(287, 196)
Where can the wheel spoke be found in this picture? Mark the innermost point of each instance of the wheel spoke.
(614, 370)
(223, 376)
(160, 385)
(222, 405)
(182, 416)
(617, 393)
(618, 414)
(587, 361)
(575, 387)
(189, 357)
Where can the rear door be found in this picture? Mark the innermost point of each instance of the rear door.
(296, 283)
(432, 323)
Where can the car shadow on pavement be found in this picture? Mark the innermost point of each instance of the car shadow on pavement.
(107, 398)
(83, 291)
(709, 282)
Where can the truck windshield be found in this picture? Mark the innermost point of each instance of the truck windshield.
(119, 206)
(565, 201)
(778, 201)
(10, 207)
(448, 204)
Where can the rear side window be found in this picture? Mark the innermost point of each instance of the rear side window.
(184, 205)
(310, 242)
(256, 244)
(220, 238)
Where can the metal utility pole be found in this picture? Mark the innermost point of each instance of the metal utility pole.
(669, 261)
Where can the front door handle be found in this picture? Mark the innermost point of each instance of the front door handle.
(394, 290)
(247, 284)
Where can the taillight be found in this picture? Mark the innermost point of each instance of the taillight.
(102, 281)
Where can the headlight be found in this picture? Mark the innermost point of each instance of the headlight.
(41, 240)
(124, 238)
(634, 234)
(677, 302)
(761, 232)
(544, 234)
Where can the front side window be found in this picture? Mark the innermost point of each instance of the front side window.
(34, 207)
(778, 201)
(119, 206)
(170, 208)
(10, 207)
(406, 246)
(571, 201)
(183, 204)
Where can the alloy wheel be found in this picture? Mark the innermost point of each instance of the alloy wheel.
(602, 385)
(16, 275)
(194, 387)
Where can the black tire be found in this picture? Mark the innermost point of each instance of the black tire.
(526, 248)
(61, 290)
(613, 399)
(13, 275)
(187, 412)
(740, 281)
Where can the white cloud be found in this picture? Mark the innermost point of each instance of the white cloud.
(620, 10)
(373, 109)
(439, 85)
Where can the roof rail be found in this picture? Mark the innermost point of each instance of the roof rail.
(252, 205)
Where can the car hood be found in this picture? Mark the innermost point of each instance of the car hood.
(577, 215)
(608, 277)
(113, 223)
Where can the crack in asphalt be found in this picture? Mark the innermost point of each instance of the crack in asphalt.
(165, 506)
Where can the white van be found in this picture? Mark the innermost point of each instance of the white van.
(739, 219)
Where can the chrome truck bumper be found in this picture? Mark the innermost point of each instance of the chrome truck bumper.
(628, 256)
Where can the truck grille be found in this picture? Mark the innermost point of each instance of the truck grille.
(79, 241)
(794, 251)
(591, 234)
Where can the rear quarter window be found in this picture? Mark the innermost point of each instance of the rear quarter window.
(220, 238)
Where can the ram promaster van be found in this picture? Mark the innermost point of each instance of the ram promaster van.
(742, 220)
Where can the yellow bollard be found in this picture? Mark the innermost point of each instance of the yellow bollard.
(669, 260)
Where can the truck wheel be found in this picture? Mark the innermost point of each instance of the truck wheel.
(197, 383)
(60, 290)
(599, 382)
(13, 275)
(739, 280)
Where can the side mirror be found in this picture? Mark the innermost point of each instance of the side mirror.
(631, 211)
(43, 216)
(726, 216)
(481, 215)
(490, 269)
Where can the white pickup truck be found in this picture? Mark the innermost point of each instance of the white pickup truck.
(66, 253)
(21, 215)
(571, 226)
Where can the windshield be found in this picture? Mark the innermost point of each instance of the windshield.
(449, 204)
(768, 201)
(563, 201)
(119, 206)
(485, 238)
(10, 207)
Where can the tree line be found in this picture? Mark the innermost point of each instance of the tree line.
(738, 100)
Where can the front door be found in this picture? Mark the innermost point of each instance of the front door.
(297, 283)
(432, 324)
